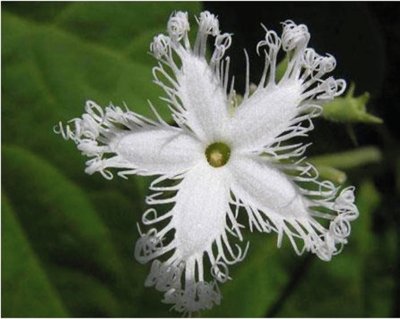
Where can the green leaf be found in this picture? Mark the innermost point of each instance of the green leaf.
(367, 200)
(63, 228)
(86, 296)
(379, 252)
(38, 11)
(350, 109)
(139, 17)
(26, 289)
(120, 216)
(256, 282)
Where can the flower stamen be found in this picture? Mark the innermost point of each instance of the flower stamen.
(218, 154)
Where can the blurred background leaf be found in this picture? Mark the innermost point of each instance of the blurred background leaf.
(252, 289)
(67, 238)
(22, 274)
(76, 246)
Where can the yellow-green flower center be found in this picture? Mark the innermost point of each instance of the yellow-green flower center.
(218, 154)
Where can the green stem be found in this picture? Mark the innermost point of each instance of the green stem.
(349, 159)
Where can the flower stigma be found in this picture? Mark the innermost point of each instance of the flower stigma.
(218, 154)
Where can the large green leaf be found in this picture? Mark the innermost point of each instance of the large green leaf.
(120, 216)
(26, 289)
(118, 33)
(63, 228)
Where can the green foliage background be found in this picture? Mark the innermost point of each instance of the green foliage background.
(67, 238)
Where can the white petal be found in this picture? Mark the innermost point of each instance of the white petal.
(267, 187)
(265, 115)
(114, 138)
(199, 221)
(276, 110)
(158, 150)
(274, 202)
(203, 97)
(195, 88)
(200, 210)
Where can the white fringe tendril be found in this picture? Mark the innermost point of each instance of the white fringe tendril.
(97, 132)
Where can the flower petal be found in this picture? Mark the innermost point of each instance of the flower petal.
(200, 210)
(127, 141)
(195, 88)
(203, 97)
(273, 201)
(198, 220)
(277, 108)
(265, 115)
(266, 186)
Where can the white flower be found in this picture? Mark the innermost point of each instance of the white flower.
(223, 159)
